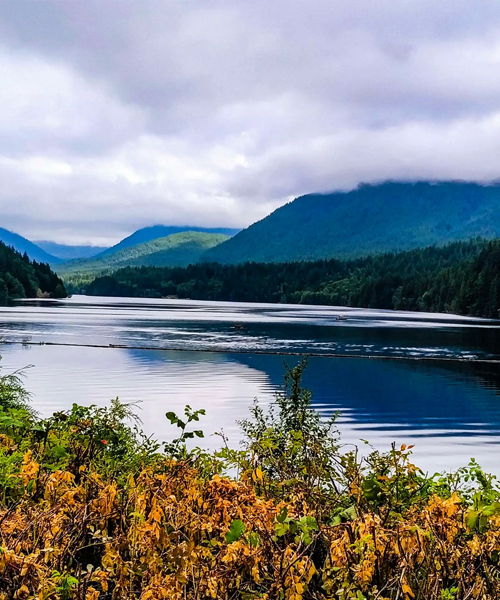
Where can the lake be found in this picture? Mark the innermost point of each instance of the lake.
(424, 379)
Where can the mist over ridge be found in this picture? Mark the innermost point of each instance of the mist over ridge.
(372, 218)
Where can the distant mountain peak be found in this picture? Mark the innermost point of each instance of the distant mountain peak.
(69, 252)
(153, 232)
(176, 249)
(21, 244)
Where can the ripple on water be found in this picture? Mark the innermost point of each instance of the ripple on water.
(451, 410)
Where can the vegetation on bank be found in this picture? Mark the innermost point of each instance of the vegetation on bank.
(90, 508)
(462, 278)
(22, 278)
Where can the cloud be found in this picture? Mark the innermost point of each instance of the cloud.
(116, 115)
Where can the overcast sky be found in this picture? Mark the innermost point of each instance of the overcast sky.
(118, 114)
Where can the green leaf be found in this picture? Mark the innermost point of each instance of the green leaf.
(58, 451)
(235, 532)
(309, 522)
(492, 509)
(472, 519)
(283, 514)
(281, 529)
(38, 429)
(349, 513)
(372, 490)
(254, 539)
(172, 417)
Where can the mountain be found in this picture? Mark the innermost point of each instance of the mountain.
(21, 278)
(176, 250)
(22, 245)
(370, 219)
(65, 252)
(160, 231)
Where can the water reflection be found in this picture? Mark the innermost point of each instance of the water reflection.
(251, 327)
(157, 381)
(451, 412)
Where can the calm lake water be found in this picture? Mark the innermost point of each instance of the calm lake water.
(392, 376)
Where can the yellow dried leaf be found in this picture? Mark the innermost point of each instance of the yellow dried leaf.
(22, 591)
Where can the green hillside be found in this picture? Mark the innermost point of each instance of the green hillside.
(370, 219)
(178, 249)
(22, 278)
(147, 234)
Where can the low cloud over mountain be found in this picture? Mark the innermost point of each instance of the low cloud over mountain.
(117, 115)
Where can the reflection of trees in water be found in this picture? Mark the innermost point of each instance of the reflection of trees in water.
(177, 357)
(486, 374)
(418, 395)
(490, 374)
(446, 395)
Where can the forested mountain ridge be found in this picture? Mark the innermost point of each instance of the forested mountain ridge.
(178, 249)
(462, 278)
(370, 219)
(147, 234)
(21, 244)
(22, 278)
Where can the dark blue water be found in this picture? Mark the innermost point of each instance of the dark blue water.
(449, 408)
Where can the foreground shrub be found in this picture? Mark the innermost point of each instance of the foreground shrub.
(92, 509)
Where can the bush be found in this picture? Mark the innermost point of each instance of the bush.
(91, 508)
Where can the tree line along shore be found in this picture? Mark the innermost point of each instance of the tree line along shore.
(21, 277)
(461, 278)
